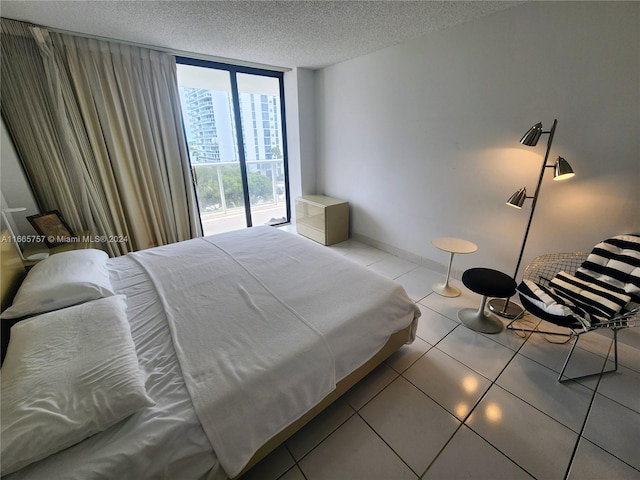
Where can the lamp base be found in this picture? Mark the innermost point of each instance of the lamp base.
(513, 310)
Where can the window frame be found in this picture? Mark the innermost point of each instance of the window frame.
(234, 70)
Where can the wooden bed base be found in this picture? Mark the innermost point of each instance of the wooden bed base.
(396, 341)
(11, 268)
(12, 273)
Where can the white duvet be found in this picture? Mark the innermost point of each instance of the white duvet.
(251, 364)
(255, 335)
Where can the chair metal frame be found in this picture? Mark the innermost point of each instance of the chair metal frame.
(541, 270)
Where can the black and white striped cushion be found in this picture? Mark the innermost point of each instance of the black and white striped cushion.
(599, 301)
(615, 264)
(547, 300)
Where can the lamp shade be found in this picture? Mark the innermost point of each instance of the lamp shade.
(530, 139)
(562, 170)
(517, 199)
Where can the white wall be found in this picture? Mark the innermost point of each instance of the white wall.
(14, 186)
(300, 110)
(423, 138)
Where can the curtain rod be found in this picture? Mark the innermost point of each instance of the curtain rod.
(171, 51)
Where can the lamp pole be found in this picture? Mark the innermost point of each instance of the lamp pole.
(503, 307)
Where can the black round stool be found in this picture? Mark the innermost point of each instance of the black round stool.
(488, 283)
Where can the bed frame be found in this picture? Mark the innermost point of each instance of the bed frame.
(396, 341)
(13, 272)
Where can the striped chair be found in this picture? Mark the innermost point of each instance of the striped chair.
(584, 292)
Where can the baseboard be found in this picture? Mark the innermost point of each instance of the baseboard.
(411, 257)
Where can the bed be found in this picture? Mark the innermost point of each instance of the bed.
(217, 383)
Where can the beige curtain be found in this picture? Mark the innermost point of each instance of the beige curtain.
(30, 115)
(117, 111)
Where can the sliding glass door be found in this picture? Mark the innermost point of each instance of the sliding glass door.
(235, 131)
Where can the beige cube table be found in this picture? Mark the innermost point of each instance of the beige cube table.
(323, 219)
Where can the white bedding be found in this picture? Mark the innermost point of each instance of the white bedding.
(354, 309)
(67, 378)
(163, 441)
(244, 354)
(167, 440)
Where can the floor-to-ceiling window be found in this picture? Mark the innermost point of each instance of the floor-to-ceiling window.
(235, 129)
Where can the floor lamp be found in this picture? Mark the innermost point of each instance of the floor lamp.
(562, 171)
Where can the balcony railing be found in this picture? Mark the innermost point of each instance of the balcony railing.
(221, 198)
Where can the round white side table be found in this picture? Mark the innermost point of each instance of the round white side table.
(453, 246)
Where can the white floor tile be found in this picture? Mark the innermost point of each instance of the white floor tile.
(527, 322)
(615, 428)
(288, 228)
(450, 383)
(449, 307)
(514, 339)
(272, 466)
(476, 351)
(537, 385)
(407, 355)
(319, 428)
(433, 326)
(536, 442)
(370, 386)
(628, 355)
(598, 342)
(468, 456)
(418, 282)
(593, 463)
(630, 336)
(345, 247)
(552, 355)
(412, 424)
(354, 452)
(364, 254)
(623, 387)
(392, 267)
(293, 474)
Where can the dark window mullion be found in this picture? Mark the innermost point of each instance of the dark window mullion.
(241, 153)
(285, 152)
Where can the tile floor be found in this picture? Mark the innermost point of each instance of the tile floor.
(459, 404)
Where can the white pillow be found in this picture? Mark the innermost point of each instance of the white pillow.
(67, 375)
(62, 280)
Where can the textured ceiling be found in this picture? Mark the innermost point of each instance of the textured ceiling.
(310, 34)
